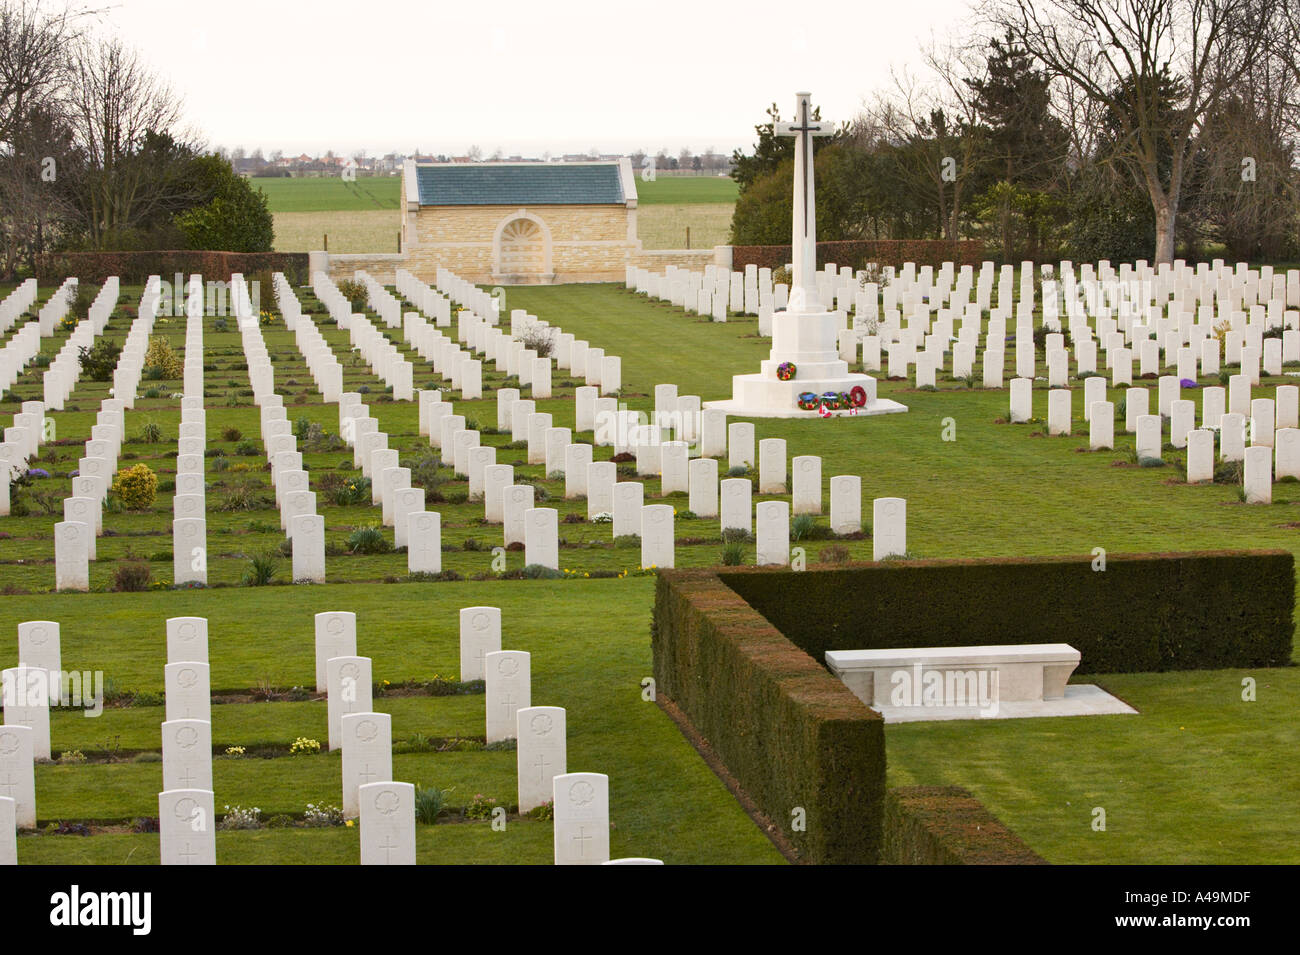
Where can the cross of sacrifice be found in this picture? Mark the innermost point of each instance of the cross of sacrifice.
(803, 285)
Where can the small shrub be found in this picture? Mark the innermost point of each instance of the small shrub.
(540, 572)
(71, 756)
(241, 817)
(303, 746)
(136, 487)
(834, 554)
(801, 526)
(736, 535)
(368, 540)
(738, 471)
(241, 495)
(160, 356)
(480, 807)
(354, 292)
(733, 554)
(322, 815)
(151, 433)
(132, 577)
(100, 359)
(246, 448)
(543, 813)
(261, 570)
(429, 803)
(231, 434)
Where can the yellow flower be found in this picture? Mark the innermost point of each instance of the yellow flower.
(348, 823)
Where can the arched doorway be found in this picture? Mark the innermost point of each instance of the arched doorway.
(522, 250)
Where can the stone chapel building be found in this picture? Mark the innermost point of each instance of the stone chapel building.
(512, 223)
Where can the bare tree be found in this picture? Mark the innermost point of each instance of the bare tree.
(33, 62)
(116, 106)
(1157, 67)
(934, 126)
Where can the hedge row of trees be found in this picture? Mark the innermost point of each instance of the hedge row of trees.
(1087, 129)
(93, 156)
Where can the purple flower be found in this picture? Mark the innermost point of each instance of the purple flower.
(74, 473)
(37, 473)
(1188, 383)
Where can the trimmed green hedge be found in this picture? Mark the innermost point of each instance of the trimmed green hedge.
(134, 268)
(790, 733)
(946, 825)
(1145, 612)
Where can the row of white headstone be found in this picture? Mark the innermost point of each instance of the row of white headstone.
(1175, 296)
(16, 303)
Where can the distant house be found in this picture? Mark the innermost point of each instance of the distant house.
(520, 222)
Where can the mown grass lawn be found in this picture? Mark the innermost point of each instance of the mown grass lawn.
(1198, 776)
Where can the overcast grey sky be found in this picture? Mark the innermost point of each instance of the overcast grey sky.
(520, 75)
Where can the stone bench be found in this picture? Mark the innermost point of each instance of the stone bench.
(1024, 673)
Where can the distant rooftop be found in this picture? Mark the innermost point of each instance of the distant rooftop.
(521, 184)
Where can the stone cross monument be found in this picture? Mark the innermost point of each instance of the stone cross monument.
(803, 291)
(805, 357)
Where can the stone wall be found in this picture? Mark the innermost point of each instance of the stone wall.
(584, 243)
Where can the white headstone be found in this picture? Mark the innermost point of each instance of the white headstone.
(187, 639)
(187, 690)
(541, 537)
(367, 755)
(509, 689)
(480, 634)
(18, 776)
(772, 466)
(348, 689)
(807, 488)
(27, 704)
(629, 497)
(657, 536)
(736, 507)
(187, 827)
(187, 754)
(308, 531)
(772, 532)
(581, 827)
(423, 542)
(387, 823)
(541, 755)
(518, 500)
(1200, 456)
(336, 636)
(72, 555)
(703, 491)
(740, 444)
(1257, 479)
(888, 527)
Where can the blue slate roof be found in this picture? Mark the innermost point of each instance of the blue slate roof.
(525, 184)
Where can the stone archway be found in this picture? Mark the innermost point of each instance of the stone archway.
(521, 250)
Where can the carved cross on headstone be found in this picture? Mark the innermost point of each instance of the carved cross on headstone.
(541, 766)
(803, 286)
(582, 839)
